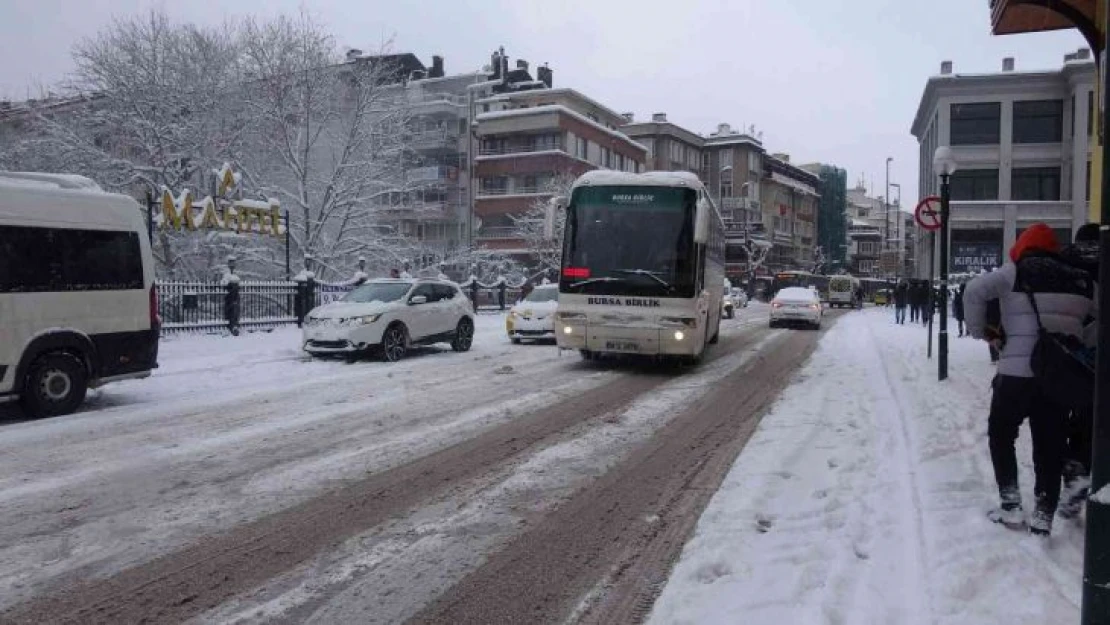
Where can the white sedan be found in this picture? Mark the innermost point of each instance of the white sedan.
(797, 306)
(533, 318)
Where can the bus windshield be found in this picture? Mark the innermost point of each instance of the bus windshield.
(630, 240)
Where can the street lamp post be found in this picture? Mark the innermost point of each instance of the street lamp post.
(898, 229)
(886, 210)
(945, 165)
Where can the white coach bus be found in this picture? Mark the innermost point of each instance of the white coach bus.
(643, 266)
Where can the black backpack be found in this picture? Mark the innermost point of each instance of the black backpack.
(1063, 367)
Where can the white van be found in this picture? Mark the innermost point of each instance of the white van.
(78, 307)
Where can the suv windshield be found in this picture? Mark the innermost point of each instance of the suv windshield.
(378, 292)
(542, 295)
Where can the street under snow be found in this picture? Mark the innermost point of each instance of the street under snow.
(245, 483)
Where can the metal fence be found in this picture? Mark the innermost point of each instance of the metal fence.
(231, 305)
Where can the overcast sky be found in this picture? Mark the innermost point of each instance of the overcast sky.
(824, 81)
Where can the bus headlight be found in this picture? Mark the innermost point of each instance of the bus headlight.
(679, 335)
(568, 330)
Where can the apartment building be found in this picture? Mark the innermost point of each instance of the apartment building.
(527, 140)
(789, 196)
(1021, 140)
(728, 162)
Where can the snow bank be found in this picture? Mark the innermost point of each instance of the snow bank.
(862, 496)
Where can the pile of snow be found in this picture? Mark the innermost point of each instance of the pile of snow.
(861, 498)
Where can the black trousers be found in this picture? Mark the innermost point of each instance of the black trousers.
(914, 312)
(1077, 452)
(1014, 400)
(899, 314)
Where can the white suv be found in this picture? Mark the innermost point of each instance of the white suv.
(390, 316)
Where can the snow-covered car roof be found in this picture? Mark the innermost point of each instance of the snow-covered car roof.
(601, 177)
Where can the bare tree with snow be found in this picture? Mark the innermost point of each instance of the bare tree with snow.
(328, 139)
(545, 251)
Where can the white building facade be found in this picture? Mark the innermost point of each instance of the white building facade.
(1021, 144)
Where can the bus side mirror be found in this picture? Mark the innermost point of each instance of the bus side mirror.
(701, 222)
(554, 205)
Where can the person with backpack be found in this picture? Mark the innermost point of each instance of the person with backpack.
(1083, 255)
(1038, 293)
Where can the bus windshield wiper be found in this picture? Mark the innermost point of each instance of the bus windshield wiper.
(593, 281)
(654, 275)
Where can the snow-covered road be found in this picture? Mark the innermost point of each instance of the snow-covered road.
(231, 432)
(862, 498)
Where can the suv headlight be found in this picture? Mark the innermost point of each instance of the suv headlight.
(364, 320)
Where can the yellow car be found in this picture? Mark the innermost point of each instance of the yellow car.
(533, 318)
(882, 298)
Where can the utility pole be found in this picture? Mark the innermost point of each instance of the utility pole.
(1096, 558)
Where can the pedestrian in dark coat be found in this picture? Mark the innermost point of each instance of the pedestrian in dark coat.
(501, 294)
(1083, 255)
(928, 303)
(1065, 298)
(901, 298)
(474, 294)
(958, 307)
(915, 301)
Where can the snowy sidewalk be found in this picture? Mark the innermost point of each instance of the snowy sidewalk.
(862, 499)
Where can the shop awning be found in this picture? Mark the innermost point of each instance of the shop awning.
(1030, 16)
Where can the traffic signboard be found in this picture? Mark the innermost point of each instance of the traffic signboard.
(927, 213)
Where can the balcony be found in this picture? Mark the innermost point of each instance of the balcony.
(522, 148)
(498, 234)
(519, 190)
(433, 139)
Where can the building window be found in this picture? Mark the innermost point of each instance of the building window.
(753, 162)
(495, 185)
(620, 162)
(705, 159)
(1087, 184)
(581, 151)
(725, 157)
(726, 186)
(649, 144)
(1038, 121)
(1090, 112)
(975, 124)
(974, 184)
(1036, 183)
(606, 157)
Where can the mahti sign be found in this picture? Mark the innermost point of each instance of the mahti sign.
(220, 213)
(975, 257)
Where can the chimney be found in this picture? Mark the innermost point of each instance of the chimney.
(504, 66)
(628, 117)
(495, 65)
(354, 54)
(658, 117)
(1008, 64)
(543, 72)
(437, 67)
(522, 64)
(724, 129)
(945, 68)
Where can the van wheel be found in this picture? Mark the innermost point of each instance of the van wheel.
(55, 385)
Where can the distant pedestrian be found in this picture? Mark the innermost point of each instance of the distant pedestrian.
(901, 297)
(474, 293)
(958, 308)
(928, 303)
(501, 294)
(525, 290)
(405, 274)
(395, 273)
(1059, 298)
(915, 301)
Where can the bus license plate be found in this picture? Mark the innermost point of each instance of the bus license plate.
(622, 346)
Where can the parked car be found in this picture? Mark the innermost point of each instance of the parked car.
(740, 296)
(728, 306)
(797, 306)
(389, 317)
(533, 318)
(78, 306)
(882, 297)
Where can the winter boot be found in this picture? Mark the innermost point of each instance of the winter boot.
(1040, 523)
(1075, 492)
(1009, 514)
